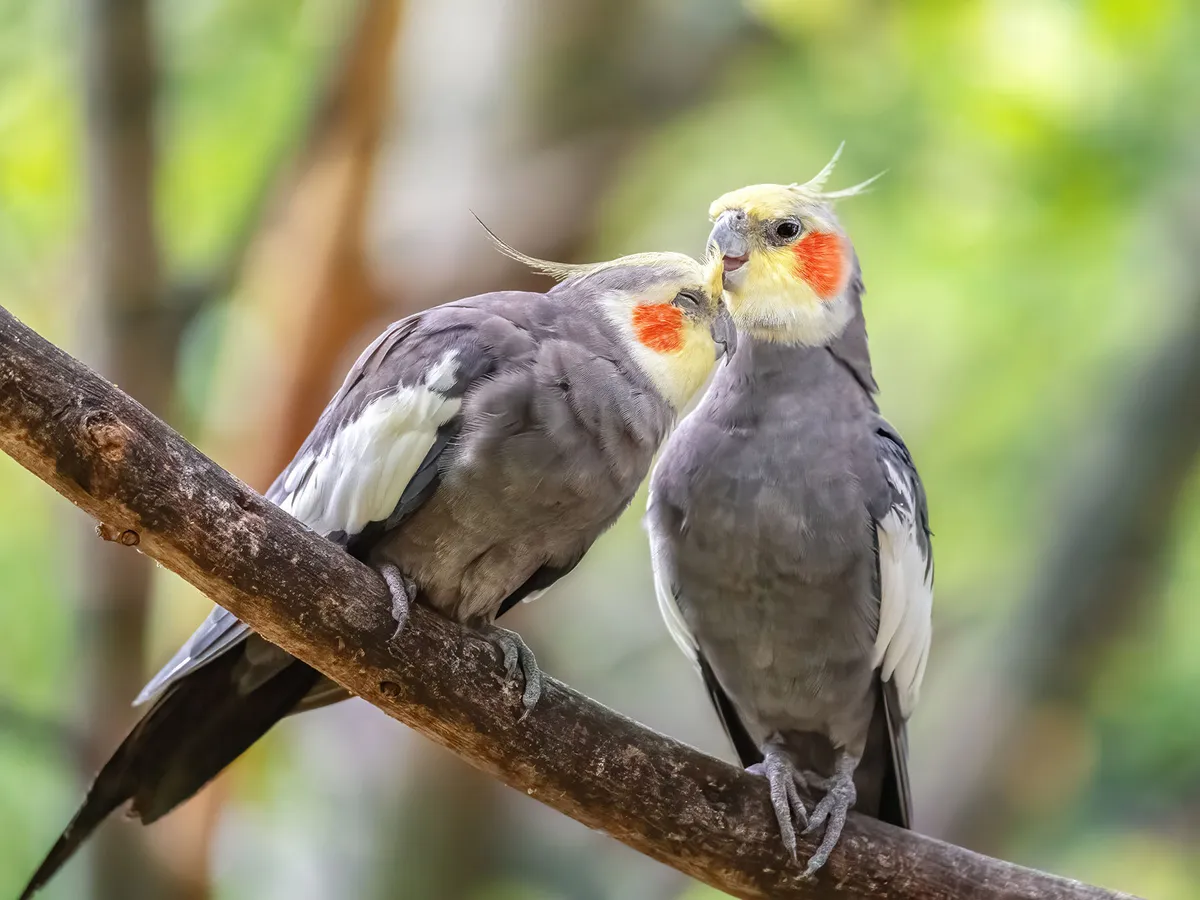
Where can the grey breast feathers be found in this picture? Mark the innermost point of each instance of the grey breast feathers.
(549, 454)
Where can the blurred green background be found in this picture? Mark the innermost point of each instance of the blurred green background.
(219, 209)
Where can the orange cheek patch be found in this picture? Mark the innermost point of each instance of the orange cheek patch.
(821, 262)
(659, 327)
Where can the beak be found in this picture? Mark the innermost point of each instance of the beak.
(729, 237)
(724, 333)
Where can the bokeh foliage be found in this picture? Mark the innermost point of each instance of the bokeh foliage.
(1019, 259)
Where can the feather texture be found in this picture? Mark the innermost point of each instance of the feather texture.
(906, 579)
(664, 589)
(359, 476)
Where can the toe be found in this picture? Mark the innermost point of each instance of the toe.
(401, 590)
(787, 830)
(512, 662)
(510, 656)
(798, 811)
(785, 800)
(831, 812)
(832, 833)
(816, 862)
(533, 683)
(820, 813)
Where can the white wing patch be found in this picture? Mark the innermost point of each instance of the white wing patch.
(906, 602)
(359, 476)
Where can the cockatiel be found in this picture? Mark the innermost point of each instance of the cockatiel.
(473, 454)
(788, 526)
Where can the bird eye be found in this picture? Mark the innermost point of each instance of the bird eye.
(687, 300)
(787, 229)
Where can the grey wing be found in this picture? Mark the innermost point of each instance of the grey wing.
(666, 590)
(905, 572)
(905, 579)
(664, 584)
(370, 461)
(220, 631)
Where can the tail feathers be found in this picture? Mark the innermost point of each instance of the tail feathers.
(208, 735)
(748, 752)
(896, 798)
(200, 725)
(112, 787)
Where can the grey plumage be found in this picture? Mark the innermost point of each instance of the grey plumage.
(555, 419)
(791, 548)
(472, 455)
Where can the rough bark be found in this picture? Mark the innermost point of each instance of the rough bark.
(152, 490)
(305, 280)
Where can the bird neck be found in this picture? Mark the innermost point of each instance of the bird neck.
(760, 357)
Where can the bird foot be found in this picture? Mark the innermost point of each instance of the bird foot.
(403, 590)
(780, 773)
(831, 811)
(517, 655)
(814, 781)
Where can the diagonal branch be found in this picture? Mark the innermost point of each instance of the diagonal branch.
(151, 489)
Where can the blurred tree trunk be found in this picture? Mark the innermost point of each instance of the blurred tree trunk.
(299, 297)
(1098, 582)
(305, 293)
(133, 339)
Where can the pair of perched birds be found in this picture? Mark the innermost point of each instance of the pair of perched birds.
(476, 450)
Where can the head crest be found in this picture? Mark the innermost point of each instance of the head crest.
(565, 271)
(556, 270)
(814, 187)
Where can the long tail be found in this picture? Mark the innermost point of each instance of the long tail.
(895, 802)
(199, 726)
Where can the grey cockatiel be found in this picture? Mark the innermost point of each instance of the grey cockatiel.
(789, 530)
(473, 454)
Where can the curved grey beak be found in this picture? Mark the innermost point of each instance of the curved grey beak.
(729, 237)
(724, 333)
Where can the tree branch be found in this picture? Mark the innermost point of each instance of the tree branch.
(152, 489)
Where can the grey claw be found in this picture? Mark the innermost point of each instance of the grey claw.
(830, 812)
(785, 797)
(402, 590)
(518, 656)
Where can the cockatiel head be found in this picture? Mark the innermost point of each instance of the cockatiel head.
(668, 307)
(788, 265)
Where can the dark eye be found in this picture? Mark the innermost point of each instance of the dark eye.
(687, 300)
(787, 229)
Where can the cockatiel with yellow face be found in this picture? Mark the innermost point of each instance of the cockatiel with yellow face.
(789, 529)
(472, 456)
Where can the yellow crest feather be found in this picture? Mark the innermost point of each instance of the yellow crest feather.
(770, 200)
(563, 271)
(557, 270)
